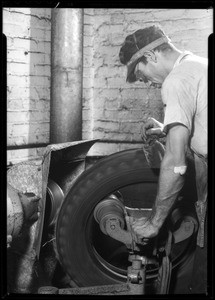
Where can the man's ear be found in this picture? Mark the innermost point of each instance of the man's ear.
(150, 55)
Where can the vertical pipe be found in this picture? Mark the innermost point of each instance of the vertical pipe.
(66, 75)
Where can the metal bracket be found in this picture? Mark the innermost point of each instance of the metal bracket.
(114, 230)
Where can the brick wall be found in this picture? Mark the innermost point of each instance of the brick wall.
(28, 32)
(112, 108)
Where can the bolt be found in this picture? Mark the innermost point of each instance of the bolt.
(112, 227)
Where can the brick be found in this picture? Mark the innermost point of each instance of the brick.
(27, 116)
(112, 104)
(41, 34)
(88, 72)
(130, 115)
(86, 114)
(39, 138)
(100, 83)
(89, 11)
(41, 12)
(41, 46)
(26, 81)
(16, 18)
(98, 62)
(98, 114)
(15, 104)
(88, 30)
(18, 68)
(108, 72)
(87, 60)
(116, 39)
(88, 19)
(198, 13)
(22, 43)
(17, 56)
(105, 125)
(108, 93)
(88, 94)
(34, 129)
(36, 93)
(87, 125)
(113, 136)
(147, 15)
(43, 93)
(99, 102)
(88, 82)
(117, 17)
(87, 135)
(14, 80)
(16, 30)
(9, 129)
(17, 129)
(29, 138)
(23, 10)
(99, 21)
(111, 114)
(88, 41)
(86, 104)
(40, 58)
(112, 58)
(40, 22)
(31, 45)
(127, 127)
(41, 70)
(17, 141)
(115, 82)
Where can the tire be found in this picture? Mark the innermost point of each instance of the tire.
(82, 249)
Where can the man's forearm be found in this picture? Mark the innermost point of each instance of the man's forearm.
(169, 187)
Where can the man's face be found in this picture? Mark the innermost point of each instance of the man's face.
(151, 73)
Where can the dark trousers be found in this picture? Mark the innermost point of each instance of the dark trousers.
(198, 283)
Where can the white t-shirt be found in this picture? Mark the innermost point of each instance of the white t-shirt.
(184, 94)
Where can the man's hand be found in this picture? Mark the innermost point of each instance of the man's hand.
(152, 127)
(144, 228)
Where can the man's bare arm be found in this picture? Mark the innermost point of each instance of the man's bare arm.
(170, 183)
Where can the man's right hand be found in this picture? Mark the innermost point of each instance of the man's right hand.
(152, 127)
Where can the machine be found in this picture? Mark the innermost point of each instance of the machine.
(84, 221)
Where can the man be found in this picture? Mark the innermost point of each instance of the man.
(151, 57)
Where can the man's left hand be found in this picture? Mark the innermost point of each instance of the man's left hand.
(144, 228)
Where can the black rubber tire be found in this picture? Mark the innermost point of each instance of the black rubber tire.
(74, 243)
(72, 235)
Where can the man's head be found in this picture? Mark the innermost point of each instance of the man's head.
(141, 51)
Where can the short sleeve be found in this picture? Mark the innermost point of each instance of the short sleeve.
(179, 103)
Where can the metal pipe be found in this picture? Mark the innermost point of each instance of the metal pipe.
(66, 75)
(27, 146)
